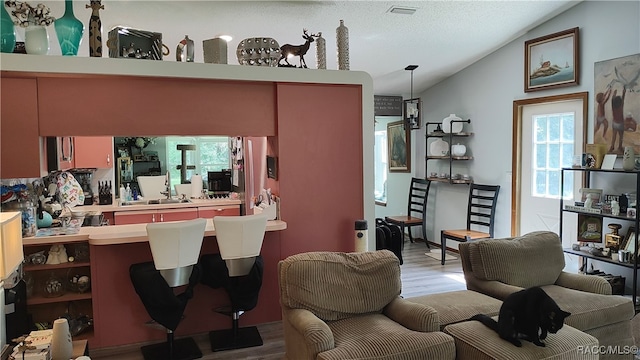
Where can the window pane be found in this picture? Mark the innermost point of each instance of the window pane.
(567, 155)
(568, 127)
(554, 128)
(540, 128)
(380, 166)
(540, 183)
(554, 184)
(541, 155)
(554, 156)
(553, 149)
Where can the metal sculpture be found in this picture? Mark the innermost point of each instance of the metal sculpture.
(287, 50)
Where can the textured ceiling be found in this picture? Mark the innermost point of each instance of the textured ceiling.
(442, 37)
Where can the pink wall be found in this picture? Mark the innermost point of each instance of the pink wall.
(320, 165)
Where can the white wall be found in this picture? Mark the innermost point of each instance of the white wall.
(485, 91)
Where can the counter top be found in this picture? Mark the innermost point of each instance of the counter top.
(123, 234)
(192, 203)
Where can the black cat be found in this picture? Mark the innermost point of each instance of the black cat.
(528, 314)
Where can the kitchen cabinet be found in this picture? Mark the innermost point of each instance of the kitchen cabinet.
(208, 212)
(51, 289)
(431, 168)
(151, 216)
(634, 220)
(93, 152)
(20, 155)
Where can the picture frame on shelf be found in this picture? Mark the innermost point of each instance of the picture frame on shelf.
(552, 61)
(399, 147)
(589, 228)
(630, 241)
(608, 162)
(596, 195)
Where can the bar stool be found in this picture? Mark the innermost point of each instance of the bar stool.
(238, 269)
(175, 247)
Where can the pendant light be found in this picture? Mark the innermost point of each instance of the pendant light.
(412, 106)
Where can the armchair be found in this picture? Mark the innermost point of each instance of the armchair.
(499, 267)
(348, 305)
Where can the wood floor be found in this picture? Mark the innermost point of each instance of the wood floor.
(421, 275)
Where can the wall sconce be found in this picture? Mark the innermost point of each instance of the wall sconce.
(412, 107)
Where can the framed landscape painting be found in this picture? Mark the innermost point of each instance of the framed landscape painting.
(399, 147)
(551, 61)
(616, 102)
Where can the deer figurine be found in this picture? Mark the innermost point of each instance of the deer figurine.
(95, 28)
(287, 50)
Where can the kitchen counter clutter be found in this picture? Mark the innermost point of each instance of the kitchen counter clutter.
(122, 234)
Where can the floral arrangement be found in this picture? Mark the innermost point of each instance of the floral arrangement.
(139, 141)
(25, 15)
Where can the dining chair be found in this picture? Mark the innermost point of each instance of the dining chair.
(481, 211)
(416, 208)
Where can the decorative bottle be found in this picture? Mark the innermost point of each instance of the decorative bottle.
(7, 32)
(95, 28)
(628, 158)
(342, 39)
(69, 31)
(321, 52)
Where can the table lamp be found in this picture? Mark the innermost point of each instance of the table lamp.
(11, 257)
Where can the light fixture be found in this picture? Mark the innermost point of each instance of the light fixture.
(11, 257)
(412, 106)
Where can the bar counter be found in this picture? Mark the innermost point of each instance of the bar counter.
(119, 315)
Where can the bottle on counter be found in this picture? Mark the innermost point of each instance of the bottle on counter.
(122, 193)
(129, 193)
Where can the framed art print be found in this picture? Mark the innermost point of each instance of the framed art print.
(551, 61)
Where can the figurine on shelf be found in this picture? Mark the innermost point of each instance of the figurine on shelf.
(287, 50)
(57, 255)
(95, 28)
(588, 202)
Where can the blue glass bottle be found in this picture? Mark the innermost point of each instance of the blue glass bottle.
(69, 31)
(7, 31)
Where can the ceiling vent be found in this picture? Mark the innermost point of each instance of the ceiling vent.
(402, 10)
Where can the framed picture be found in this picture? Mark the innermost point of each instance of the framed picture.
(551, 61)
(399, 147)
(589, 228)
(617, 104)
(596, 195)
(150, 155)
(630, 241)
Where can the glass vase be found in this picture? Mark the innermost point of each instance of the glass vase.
(7, 32)
(36, 40)
(69, 31)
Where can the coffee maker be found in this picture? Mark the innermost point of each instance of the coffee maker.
(84, 179)
(219, 183)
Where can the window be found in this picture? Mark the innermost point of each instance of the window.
(380, 167)
(553, 149)
(211, 154)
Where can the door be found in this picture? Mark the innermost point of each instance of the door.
(551, 132)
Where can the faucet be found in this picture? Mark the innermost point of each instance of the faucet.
(167, 185)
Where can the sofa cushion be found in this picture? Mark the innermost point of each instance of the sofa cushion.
(589, 310)
(455, 306)
(335, 285)
(378, 337)
(534, 259)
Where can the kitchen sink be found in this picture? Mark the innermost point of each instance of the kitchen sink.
(155, 202)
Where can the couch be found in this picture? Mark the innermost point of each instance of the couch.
(348, 306)
(499, 267)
